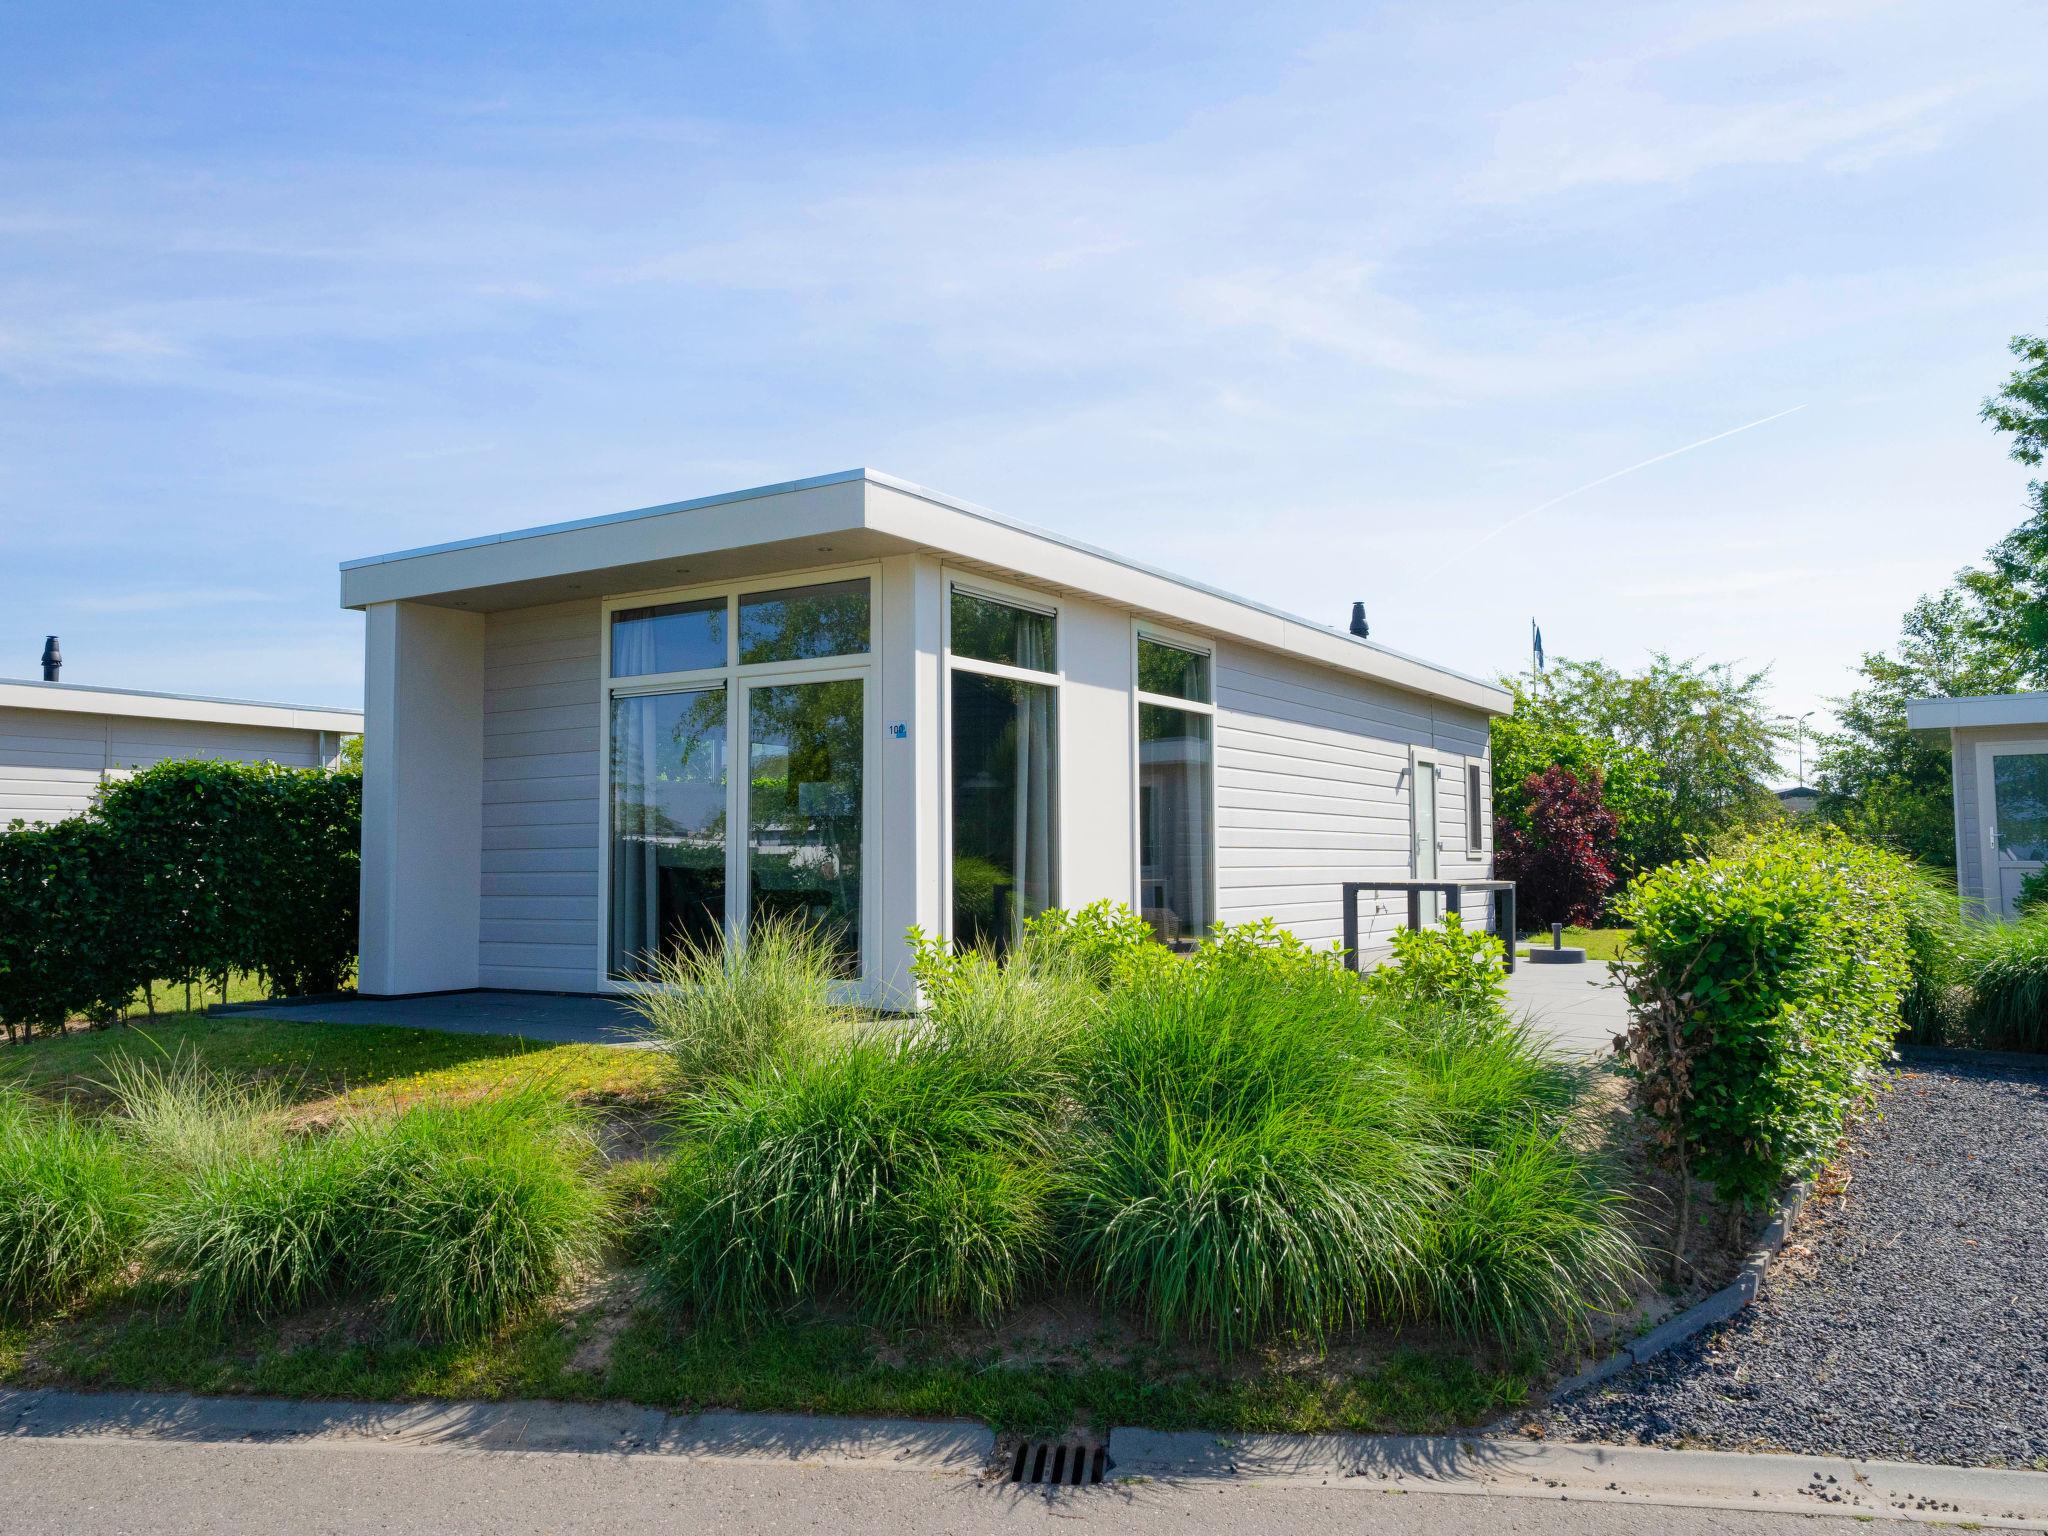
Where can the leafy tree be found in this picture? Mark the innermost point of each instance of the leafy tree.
(1877, 778)
(1684, 748)
(1988, 633)
(1536, 738)
(2013, 591)
(1560, 863)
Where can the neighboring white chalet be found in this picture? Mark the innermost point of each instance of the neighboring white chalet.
(59, 742)
(1999, 745)
(867, 705)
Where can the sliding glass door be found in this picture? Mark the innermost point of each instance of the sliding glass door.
(805, 791)
(700, 844)
(668, 818)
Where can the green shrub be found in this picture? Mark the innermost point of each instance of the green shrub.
(69, 1206)
(1246, 1162)
(2033, 892)
(1766, 991)
(478, 1209)
(1106, 940)
(720, 1010)
(1936, 1001)
(1447, 967)
(2007, 964)
(66, 946)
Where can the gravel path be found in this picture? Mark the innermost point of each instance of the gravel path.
(1908, 1320)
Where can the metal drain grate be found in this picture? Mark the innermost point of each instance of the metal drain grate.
(1059, 1463)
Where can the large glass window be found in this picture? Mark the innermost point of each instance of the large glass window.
(804, 785)
(2019, 784)
(801, 623)
(1005, 805)
(668, 818)
(987, 630)
(1175, 762)
(668, 637)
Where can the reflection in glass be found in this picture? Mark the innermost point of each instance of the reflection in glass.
(991, 631)
(667, 824)
(804, 761)
(669, 637)
(2020, 786)
(1177, 673)
(1005, 805)
(798, 623)
(1173, 821)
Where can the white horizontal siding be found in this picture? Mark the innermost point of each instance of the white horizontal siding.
(541, 799)
(1313, 789)
(53, 762)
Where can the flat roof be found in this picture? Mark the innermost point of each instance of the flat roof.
(1977, 709)
(138, 704)
(866, 514)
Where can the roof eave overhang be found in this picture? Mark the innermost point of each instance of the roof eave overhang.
(835, 519)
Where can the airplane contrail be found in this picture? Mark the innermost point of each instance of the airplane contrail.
(1521, 517)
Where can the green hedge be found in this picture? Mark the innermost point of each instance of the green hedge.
(1766, 990)
(187, 871)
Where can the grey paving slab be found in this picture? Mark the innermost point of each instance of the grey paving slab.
(1579, 1006)
(556, 1018)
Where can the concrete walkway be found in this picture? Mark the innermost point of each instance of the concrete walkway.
(553, 1017)
(1578, 1006)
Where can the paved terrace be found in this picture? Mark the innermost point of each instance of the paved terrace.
(1575, 1004)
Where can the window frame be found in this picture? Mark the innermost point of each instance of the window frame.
(737, 678)
(1475, 823)
(1147, 629)
(977, 585)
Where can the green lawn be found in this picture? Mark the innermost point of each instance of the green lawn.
(316, 1062)
(1598, 943)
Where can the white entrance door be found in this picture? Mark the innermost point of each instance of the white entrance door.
(2013, 781)
(1425, 861)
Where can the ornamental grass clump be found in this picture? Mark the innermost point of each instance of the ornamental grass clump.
(1250, 1159)
(905, 1164)
(70, 1208)
(452, 1215)
(724, 1010)
(2007, 966)
(478, 1208)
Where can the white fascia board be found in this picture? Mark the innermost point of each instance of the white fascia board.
(79, 699)
(960, 529)
(1977, 710)
(896, 515)
(797, 509)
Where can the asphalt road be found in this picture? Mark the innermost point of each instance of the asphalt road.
(114, 1487)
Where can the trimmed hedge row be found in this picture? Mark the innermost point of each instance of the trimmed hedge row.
(186, 871)
(1766, 987)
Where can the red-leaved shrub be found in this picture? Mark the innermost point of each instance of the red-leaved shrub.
(1562, 865)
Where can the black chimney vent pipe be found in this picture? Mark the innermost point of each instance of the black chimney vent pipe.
(1358, 625)
(52, 659)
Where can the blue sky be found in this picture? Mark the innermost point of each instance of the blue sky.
(1303, 300)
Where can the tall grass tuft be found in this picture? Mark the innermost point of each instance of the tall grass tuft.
(1533, 1241)
(244, 1218)
(1250, 1160)
(2008, 966)
(904, 1163)
(479, 1209)
(720, 1010)
(69, 1206)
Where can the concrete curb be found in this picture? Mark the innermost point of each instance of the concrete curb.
(1599, 1473)
(1747, 1285)
(531, 1427)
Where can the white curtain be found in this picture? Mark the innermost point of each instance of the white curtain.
(1037, 786)
(636, 905)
